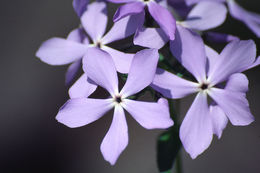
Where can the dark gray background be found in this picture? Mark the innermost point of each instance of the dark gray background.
(31, 93)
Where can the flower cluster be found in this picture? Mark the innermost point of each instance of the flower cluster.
(156, 26)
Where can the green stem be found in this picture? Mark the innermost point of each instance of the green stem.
(174, 106)
(178, 164)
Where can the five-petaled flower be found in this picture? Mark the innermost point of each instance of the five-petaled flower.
(210, 70)
(99, 66)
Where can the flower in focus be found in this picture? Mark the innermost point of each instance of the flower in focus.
(99, 66)
(210, 70)
(159, 13)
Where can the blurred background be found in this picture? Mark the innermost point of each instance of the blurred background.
(31, 140)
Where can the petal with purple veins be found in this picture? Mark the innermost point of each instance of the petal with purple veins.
(236, 57)
(172, 86)
(189, 49)
(149, 115)
(99, 66)
(82, 111)
(116, 138)
(196, 130)
(234, 104)
(142, 71)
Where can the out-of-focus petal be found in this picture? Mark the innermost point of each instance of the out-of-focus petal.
(164, 18)
(151, 38)
(142, 71)
(234, 104)
(191, 2)
(59, 51)
(189, 49)
(116, 138)
(99, 66)
(201, 18)
(121, 1)
(72, 71)
(172, 86)
(149, 115)
(236, 57)
(82, 111)
(180, 6)
(215, 37)
(237, 82)
(94, 20)
(80, 6)
(124, 28)
(256, 63)
(83, 87)
(219, 119)
(128, 9)
(196, 130)
(252, 20)
(122, 60)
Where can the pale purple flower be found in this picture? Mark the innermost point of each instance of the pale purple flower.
(159, 13)
(60, 51)
(100, 67)
(250, 19)
(210, 70)
(198, 19)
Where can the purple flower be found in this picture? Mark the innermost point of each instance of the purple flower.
(252, 20)
(210, 70)
(59, 51)
(198, 19)
(100, 67)
(160, 14)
